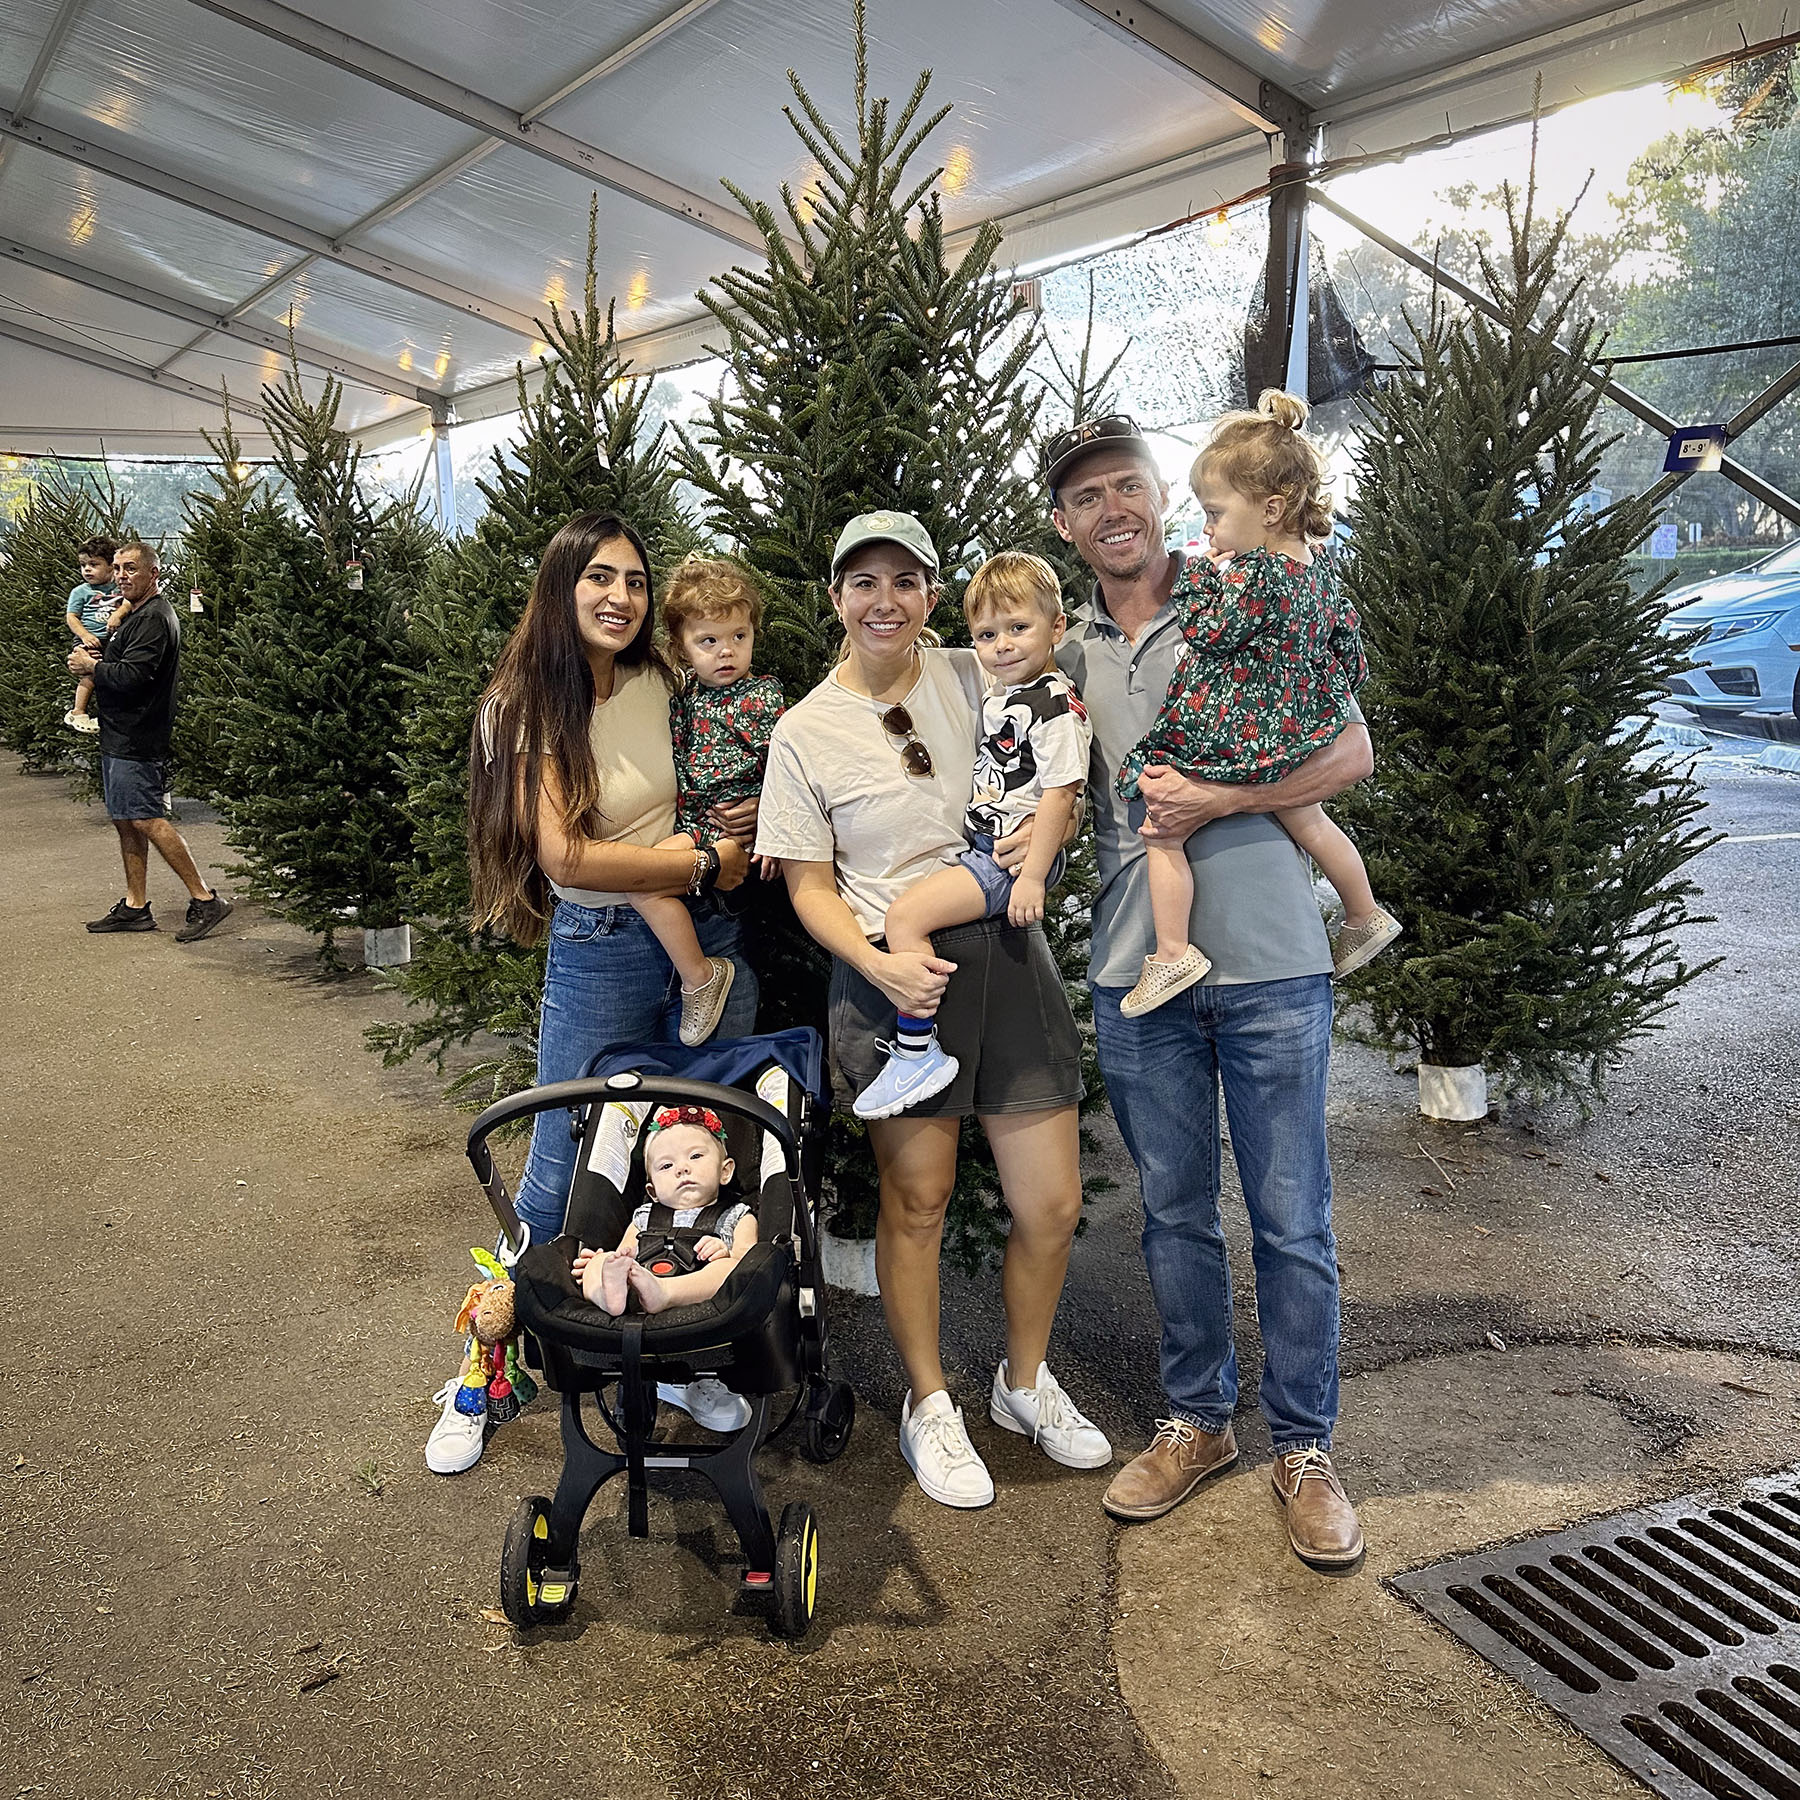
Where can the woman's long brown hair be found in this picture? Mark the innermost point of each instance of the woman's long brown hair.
(533, 722)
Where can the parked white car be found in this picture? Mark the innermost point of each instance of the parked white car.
(1749, 660)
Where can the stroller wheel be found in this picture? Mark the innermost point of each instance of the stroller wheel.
(796, 1570)
(530, 1592)
(830, 1415)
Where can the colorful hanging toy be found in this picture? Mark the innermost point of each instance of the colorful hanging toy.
(494, 1378)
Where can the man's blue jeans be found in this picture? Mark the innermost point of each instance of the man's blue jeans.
(1268, 1044)
(609, 982)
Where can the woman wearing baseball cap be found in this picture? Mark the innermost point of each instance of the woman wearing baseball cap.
(868, 779)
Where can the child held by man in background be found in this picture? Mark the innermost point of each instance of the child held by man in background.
(93, 613)
(720, 720)
(1032, 760)
(683, 1229)
(1273, 658)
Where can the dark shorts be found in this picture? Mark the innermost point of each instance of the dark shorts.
(134, 790)
(1005, 1018)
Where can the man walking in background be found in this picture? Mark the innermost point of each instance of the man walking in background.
(134, 692)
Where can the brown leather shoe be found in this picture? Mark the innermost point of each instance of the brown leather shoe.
(1321, 1522)
(1178, 1459)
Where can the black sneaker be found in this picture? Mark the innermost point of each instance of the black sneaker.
(125, 918)
(202, 916)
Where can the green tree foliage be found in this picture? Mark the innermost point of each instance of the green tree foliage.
(41, 566)
(585, 448)
(1538, 860)
(221, 519)
(869, 369)
(309, 792)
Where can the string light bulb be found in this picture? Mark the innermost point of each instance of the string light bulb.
(1218, 230)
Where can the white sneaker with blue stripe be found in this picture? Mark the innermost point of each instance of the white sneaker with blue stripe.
(905, 1080)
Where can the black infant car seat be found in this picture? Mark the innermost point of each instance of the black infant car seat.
(761, 1334)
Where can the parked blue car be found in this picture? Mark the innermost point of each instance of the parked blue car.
(1749, 660)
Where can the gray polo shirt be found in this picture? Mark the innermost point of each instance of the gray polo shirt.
(1254, 911)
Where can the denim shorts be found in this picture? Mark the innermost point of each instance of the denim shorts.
(996, 882)
(134, 790)
(1005, 1018)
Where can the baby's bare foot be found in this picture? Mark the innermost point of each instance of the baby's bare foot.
(647, 1288)
(615, 1275)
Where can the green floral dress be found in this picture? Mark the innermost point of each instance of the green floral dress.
(720, 737)
(1272, 659)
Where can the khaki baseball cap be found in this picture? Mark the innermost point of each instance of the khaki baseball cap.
(884, 528)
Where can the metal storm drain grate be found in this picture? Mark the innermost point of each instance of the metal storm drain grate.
(1670, 1636)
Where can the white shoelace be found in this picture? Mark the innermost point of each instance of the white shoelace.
(1181, 1435)
(943, 1433)
(446, 1390)
(1056, 1411)
(1312, 1463)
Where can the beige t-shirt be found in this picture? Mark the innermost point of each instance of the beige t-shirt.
(836, 791)
(630, 738)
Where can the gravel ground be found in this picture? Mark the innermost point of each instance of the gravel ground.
(236, 1242)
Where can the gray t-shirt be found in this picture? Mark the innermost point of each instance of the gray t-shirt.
(1254, 912)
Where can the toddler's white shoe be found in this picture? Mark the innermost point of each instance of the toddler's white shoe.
(455, 1441)
(702, 1009)
(708, 1402)
(1355, 945)
(935, 1443)
(906, 1080)
(1047, 1416)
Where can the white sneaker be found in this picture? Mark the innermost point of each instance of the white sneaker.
(905, 1080)
(1052, 1421)
(455, 1441)
(708, 1402)
(935, 1443)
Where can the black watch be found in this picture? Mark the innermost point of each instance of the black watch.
(709, 879)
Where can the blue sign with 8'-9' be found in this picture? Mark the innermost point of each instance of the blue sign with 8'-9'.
(1695, 450)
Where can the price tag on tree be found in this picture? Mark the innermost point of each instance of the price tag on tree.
(1695, 450)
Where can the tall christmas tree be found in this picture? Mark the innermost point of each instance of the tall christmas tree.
(309, 791)
(1534, 851)
(221, 518)
(870, 370)
(585, 448)
(40, 568)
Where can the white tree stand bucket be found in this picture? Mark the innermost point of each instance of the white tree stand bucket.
(1459, 1094)
(387, 949)
(849, 1263)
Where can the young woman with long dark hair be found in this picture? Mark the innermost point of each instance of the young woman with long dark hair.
(571, 800)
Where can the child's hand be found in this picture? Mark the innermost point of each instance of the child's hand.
(709, 1247)
(1026, 906)
(770, 867)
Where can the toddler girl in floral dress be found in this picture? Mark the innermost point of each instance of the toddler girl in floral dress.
(1272, 659)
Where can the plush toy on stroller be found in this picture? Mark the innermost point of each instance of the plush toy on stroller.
(760, 1334)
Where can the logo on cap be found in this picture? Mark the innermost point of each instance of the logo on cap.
(880, 521)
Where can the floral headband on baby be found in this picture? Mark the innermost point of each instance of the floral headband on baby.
(703, 1116)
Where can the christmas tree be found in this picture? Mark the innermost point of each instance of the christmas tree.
(869, 369)
(40, 568)
(311, 716)
(1533, 849)
(585, 448)
(220, 519)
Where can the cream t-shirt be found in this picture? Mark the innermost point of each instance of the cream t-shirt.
(629, 734)
(836, 790)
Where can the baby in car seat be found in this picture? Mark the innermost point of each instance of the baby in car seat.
(684, 1240)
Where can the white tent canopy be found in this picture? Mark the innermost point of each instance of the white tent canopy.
(409, 179)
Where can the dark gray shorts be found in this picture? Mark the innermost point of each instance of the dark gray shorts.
(1005, 1018)
(134, 790)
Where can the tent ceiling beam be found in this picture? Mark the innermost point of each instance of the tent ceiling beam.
(267, 224)
(1752, 483)
(499, 122)
(113, 365)
(381, 380)
(40, 68)
(248, 304)
(1765, 402)
(1264, 104)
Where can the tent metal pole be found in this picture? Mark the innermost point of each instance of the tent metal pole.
(381, 380)
(47, 52)
(114, 365)
(1770, 398)
(325, 43)
(1752, 483)
(443, 470)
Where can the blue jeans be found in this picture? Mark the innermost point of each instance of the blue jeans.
(1268, 1043)
(609, 982)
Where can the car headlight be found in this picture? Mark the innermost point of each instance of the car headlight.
(1741, 627)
